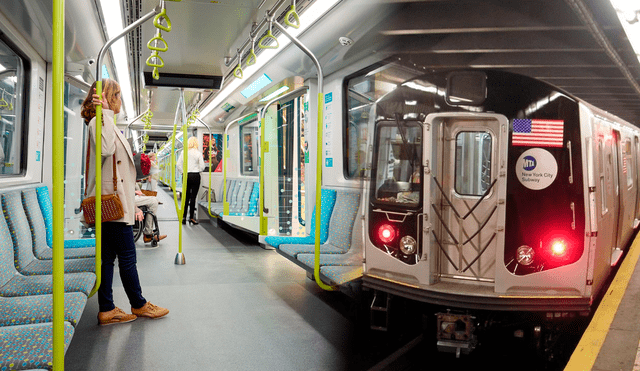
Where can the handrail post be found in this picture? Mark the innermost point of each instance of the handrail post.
(58, 183)
(98, 164)
(316, 265)
(180, 260)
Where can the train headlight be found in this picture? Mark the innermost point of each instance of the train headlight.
(408, 245)
(387, 233)
(524, 255)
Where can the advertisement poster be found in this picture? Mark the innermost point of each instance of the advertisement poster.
(216, 152)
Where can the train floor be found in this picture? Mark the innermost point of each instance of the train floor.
(233, 306)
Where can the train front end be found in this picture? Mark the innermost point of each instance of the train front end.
(475, 202)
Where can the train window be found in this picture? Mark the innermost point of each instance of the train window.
(399, 156)
(362, 90)
(466, 88)
(12, 86)
(249, 145)
(601, 169)
(473, 163)
(627, 162)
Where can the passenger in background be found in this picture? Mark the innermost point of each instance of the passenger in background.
(117, 235)
(153, 172)
(152, 203)
(195, 164)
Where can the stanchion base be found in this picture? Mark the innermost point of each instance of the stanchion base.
(180, 259)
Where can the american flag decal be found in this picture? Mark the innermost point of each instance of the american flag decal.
(537, 133)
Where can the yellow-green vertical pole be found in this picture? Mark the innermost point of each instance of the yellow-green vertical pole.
(58, 184)
(263, 150)
(98, 194)
(225, 158)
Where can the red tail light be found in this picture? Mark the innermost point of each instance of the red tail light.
(387, 233)
(558, 248)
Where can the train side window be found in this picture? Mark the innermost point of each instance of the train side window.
(473, 163)
(362, 90)
(249, 135)
(12, 86)
(399, 165)
(628, 164)
(601, 169)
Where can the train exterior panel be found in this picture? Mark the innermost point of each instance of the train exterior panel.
(495, 191)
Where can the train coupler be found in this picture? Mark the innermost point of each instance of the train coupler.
(456, 333)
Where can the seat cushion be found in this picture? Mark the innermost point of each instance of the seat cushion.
(26, 310)
(295, 250)
(341, 274)
(20, 285)
(27, 347)
(348, 259)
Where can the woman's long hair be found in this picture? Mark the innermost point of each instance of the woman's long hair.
(109, 90)
(193, 143)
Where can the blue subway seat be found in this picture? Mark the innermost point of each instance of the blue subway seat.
(28, 347)
(47, 213)
(26, 262)
(328, 197)
(38, 309)
(38, 231)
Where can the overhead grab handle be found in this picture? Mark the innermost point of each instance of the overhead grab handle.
(237, 72)
(292, 13)
(268, 36)
(154, 45)
(253, 58)
(158, 58)
(158, 24)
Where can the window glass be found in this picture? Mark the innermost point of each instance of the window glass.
(603, 191)
(627, 164)
(473, 163)
(398, 169)
(12, 83)
(249, 149)
(363, 90)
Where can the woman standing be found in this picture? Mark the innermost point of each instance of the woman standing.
(117, 235)
(195, 164)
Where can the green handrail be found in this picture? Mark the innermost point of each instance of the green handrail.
(319, 163)
(58, 184)
(179, 209)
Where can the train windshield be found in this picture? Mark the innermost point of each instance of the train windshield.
(398, 169)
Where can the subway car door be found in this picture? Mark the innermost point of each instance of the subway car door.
(469, 177)
(618, 211)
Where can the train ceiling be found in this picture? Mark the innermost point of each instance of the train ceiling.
(577, 45)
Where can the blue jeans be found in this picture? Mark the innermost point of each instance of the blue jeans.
(117, 241)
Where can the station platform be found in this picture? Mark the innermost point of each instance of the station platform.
(611, 342)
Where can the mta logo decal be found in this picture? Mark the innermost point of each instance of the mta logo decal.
(529, 163)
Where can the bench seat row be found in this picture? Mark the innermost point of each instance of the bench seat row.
(340, 258)
(26, 282)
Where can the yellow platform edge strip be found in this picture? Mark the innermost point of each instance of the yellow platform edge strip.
(584, 357)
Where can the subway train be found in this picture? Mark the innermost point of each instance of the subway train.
(388, 149)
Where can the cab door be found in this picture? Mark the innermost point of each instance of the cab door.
(467, 194)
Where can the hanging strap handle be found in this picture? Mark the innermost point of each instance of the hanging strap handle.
(253, 58)
(158, 24)
(292, 13)
(157, 37)
(237, 72)
(268, 36)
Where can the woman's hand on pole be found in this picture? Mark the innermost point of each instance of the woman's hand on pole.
(97, 101)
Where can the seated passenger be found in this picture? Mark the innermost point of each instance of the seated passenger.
(152, 203)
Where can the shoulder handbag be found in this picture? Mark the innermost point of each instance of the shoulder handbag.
(111, 204)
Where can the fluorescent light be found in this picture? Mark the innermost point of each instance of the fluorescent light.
(315, 11)
(113, 18)
(629, 14)
(256, 86)
(281, 90)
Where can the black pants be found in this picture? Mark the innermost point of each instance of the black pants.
(193, 183)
